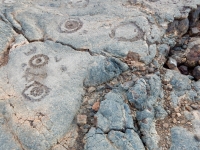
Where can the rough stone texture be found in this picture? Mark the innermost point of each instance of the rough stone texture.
(183, 139)
(7, 36)
(114, 114)
(63, 58)
(115, 140)
(44, 84)
(144, 96)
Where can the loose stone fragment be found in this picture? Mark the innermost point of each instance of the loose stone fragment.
(96, 106)
(172, 63)
(81, 119)
(165, 125)
(183, 69)
(194, 31)
(91, 89)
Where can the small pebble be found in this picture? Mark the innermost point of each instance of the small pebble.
(96, 106)
(188, 108)
(165, 125)
(171, 63)
(174, 120)
(81, 119)
(91, 89)
(178, 114)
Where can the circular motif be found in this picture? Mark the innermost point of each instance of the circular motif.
(127, 32)
(38, 60)
(79, 3)
(35, 91)
(70, 26)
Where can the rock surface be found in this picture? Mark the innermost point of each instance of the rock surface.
(93, 75)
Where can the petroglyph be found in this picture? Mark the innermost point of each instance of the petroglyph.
(38, 61)
(70, 25)
(35, 91)
(127, 32)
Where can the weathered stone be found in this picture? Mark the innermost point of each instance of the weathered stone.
(171, 63)
(43, 88)
(91, 89)
(195, 31)
(115, 140)
(43, 85)
(104, 71)
(194, 53)
(7, 37)
(183, 69)
(178, 28)
(196, 72)
(181, 138)
(114, 114)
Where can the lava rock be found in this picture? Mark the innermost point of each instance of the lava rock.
(115, 140)
(178, 27)
(196, 72)
(114, 114)
(171, 63)
(183, 139)
(183, 69)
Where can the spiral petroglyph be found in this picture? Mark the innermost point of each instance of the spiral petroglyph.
(36, 91)
(70, 25)
(127, 32)
(38, 60)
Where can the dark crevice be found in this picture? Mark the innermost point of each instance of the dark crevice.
(74, 48)
(182, 58)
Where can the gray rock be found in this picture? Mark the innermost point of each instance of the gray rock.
(114, 114)
(144, 95)
(163, 49)
(128, 140)
(116, 39)
(42, 85)
(96, 141)
(183, 139)
(115, 140)
(160, 112)
(44, 79)
(145, 92)
(178, 27)
(7, 37)
(104, 71)
(138, 94)
(180, 83)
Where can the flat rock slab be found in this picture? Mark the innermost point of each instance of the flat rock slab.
(51, 50)
(44, 83)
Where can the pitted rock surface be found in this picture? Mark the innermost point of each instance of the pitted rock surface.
(93, 75)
